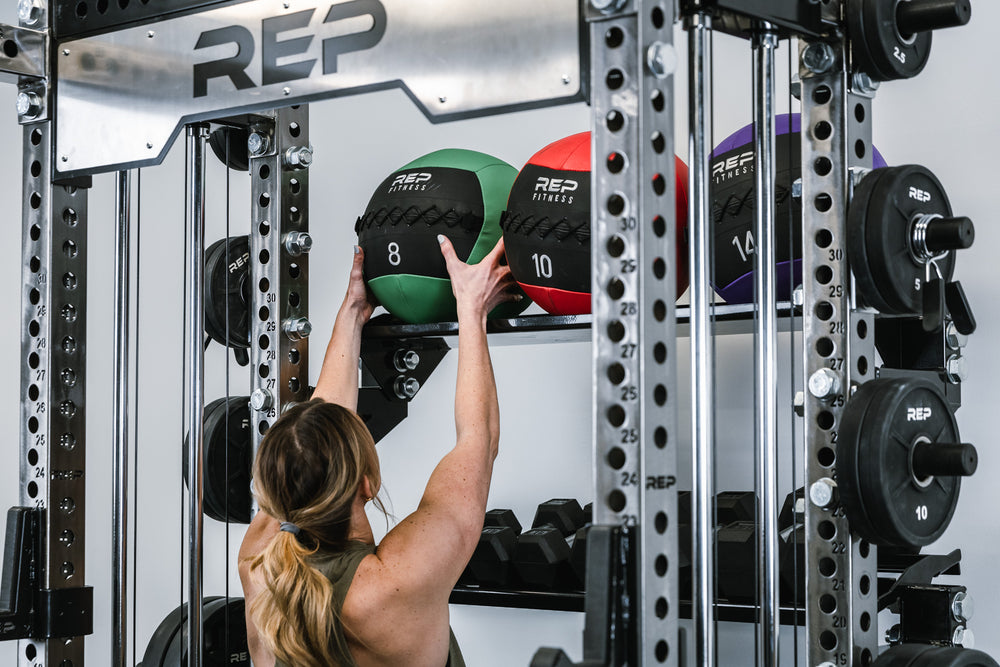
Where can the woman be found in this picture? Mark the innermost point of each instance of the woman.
(319, 591)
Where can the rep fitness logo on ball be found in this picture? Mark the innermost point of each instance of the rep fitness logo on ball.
(415, 182)
(554, 190)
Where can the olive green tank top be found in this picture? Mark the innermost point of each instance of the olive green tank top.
(340, 569)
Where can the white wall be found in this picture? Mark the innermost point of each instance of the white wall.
(943, 119)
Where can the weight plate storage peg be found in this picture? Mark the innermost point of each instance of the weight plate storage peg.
(900, 233)
(891, 39)
(900, 461)
(227, 294)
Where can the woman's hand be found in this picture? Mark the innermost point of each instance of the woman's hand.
(359, 299)
(479, 288)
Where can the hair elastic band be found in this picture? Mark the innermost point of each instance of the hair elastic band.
(289, 527)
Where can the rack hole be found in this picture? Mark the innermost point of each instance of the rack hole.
(659, 184)
(616, 415)
(614, 37)
(293, 299)
(294, 129)
(36, 137)
(866, 658)
(658, 142)
(827, 567)
(822, 130)
(70, 217)
(660, 437)
(294, 385)
(616, 330)
(822, 166)
(616, 246)
(70, 249)
(616, 501)
(264, 256)
(660, 353)
(657, 99)
(35, 200)
(824, 238)
(824, 347)
(826, 530)
(264, 200)
(825, 420)
(263, 370)
(824, 274)
(863, 365)
(656, 16)
(294, 186)
(828, 604)
(33, 393)
(860, 148)
(823, 202)
(614, 121)
(662, 651)
(264, 285)
(616, 458)
(614, 79)
(826, 457)
(824, 310)
(660, 522)
(616, 162)
(823, 94)
(864, 548)
(30, 652)
(866, 621)
(262, 427)
(32, 457)
(616, 204)
(661, 607)
(828, 640)
(294, 270)
(659, 310)
(264, 228)
(34, 264)
(293, 356)
(859, 112)
(660, 394)
(616, 373)
(34, 327)
(32, 489)
(659, 226)
(33, 424)
(34, 296)
(264, 172)
(862, 329)
(616, 289)
(264, 342)
(263, 313)
(865, 585)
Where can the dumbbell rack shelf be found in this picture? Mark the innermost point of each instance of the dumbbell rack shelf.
(574, 601)
(544, 329)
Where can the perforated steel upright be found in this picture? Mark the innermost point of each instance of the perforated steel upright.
(634, 288)
(279, 352)
(53, 409)
(841, 579)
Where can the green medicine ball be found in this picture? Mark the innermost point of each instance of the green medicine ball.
(455, 192)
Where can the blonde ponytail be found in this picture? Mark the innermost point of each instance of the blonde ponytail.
(309, 468)
(294, 612)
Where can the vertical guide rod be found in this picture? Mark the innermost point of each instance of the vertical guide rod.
(765, 43)
(194, 316)
(119, 538)
(702, 362)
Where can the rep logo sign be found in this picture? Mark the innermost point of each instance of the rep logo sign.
(272, 49)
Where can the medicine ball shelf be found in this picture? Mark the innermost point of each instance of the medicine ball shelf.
(536, 329)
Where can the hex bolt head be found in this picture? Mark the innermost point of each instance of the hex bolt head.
(29, 12)
(892, 634)
(962, 637)
(405, 360)
(296, 328)
(818, 58)
(607, 6)
(298, 243)
(405, 387)
(797, 188)
(661, 59)
(954, 339)
(822, 492)
(261, 399)
(863, 84)
(955, 368)
(257, 143)
(298, 157)
(824, 384)
(29, 105)
(798, 403)
(962, 607)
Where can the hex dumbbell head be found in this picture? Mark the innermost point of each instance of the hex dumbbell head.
(564, 514)
(541, 557)
(490, 562)
(503, 517)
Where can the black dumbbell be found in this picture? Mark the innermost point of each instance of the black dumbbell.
(543, 554)
(490, 562)
(736, 550)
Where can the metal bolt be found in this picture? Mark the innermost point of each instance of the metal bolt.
(405, 360)
(298, 157)
(962, 607)
(892, 634)
(822, 492)
(798, 403)
(565, 79)
(953, 338)
(442, 99)
(798, 298)
(607, 6)
(257, 143)
(818, 57)
(797, 188)
(661, 59)
(796, 89)
(406, 388)
(286, 91)
(261, 399)
(29, 12)
(151, 34)
(968, 639)
(960, 636)
(824, 384)
(955, 369)
(298, 243)
(149, 145)
(29, 105)
(297, 328)
(862, 84)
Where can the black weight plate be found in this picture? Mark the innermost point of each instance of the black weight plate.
(214, 421)
(237, 442)
(906, 512)
(849, 435)
(904, 655)
(224, 635)
(857, 253)
(162, 638)
(227, 283)
(230, 145)
(893, 56)
(954, 656)
(895, 200)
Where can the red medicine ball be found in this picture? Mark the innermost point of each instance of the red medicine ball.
(546, 227)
